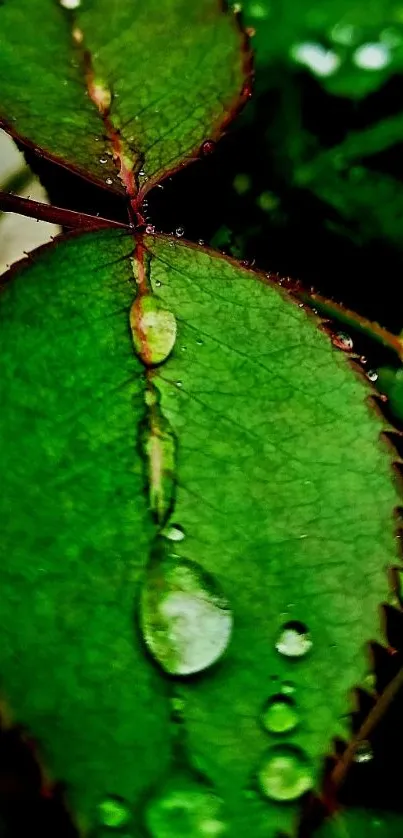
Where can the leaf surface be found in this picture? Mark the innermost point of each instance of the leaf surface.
(282, 491)
(145, 82)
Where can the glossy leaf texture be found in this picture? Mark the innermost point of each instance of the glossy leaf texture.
(144, 83)
(251, 567)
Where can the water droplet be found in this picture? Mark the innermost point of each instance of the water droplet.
(280, 714)
(185, 619)
(372, 375)
(114, 813)
(178, 384)
(153, 329)
(185, 809)
(288, 688)
(179, 232)
(319, 59)
(103, 160)
(208, 147)
(372, 56)
(294, 640)
(363, 752)
(201, 242)
(342, 341)
(174, 532)
(286, 773)
(109, 181)
(70, 4)
(150, 229)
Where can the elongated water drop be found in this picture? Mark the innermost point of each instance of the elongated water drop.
(185, 619)
(174, 532)
(286, 773)
(280, 714)
(294, 640)
(153, 329)
(185, 809)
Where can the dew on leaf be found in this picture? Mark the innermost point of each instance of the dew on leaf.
(185, 619)
(208, 147)
(179, 232)
(280, 714)
(285, 773)
(114, 813)
(363, 752)
(103, 160)
(342, 341)
(372, 375)
(153, 329)
(288, 688)
(150, 228)
(185, 810)
(174, 532)
(294, 640)
(70, 4)
(109, 181)
(372, 56)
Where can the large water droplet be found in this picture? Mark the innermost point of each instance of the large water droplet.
(184, 617)
(286, 773)
(363, 752)
(153, 329)
(280, 714)
(185, 809)
(294, 640)
(114, 813)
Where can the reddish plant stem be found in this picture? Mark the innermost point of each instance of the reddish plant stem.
(55, 215)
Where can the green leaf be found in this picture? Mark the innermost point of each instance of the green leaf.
(148, 83)
(282, 512)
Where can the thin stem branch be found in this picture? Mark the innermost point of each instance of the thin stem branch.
(55, 215)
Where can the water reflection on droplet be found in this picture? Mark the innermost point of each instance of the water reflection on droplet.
(185, 619)
(185, 809)
(294, 640)
(174, 532)
(363, 752)
(280, 714)
(109, 181)
(114, 813)
(153, 329)
(179, 232)
(372, 375)
(286, 773)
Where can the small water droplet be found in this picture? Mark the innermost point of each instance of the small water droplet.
(199, 342)
(185, 619)
(372, 375)
(109, 181)
(70, 4)
(174, 532)
(294, 640)
(342, 341)
(150, 228)
(208, 147)
(158, 283)
(185, 809)
(201, 242)
(103, 160)
(96, 139)
(288, 688)
(114, 813)
(178, 383)
(280, 714)
(153, 329)
(363, 752)
(179, 232)
(286, 773)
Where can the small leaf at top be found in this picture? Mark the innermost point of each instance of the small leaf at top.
(121, 92)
